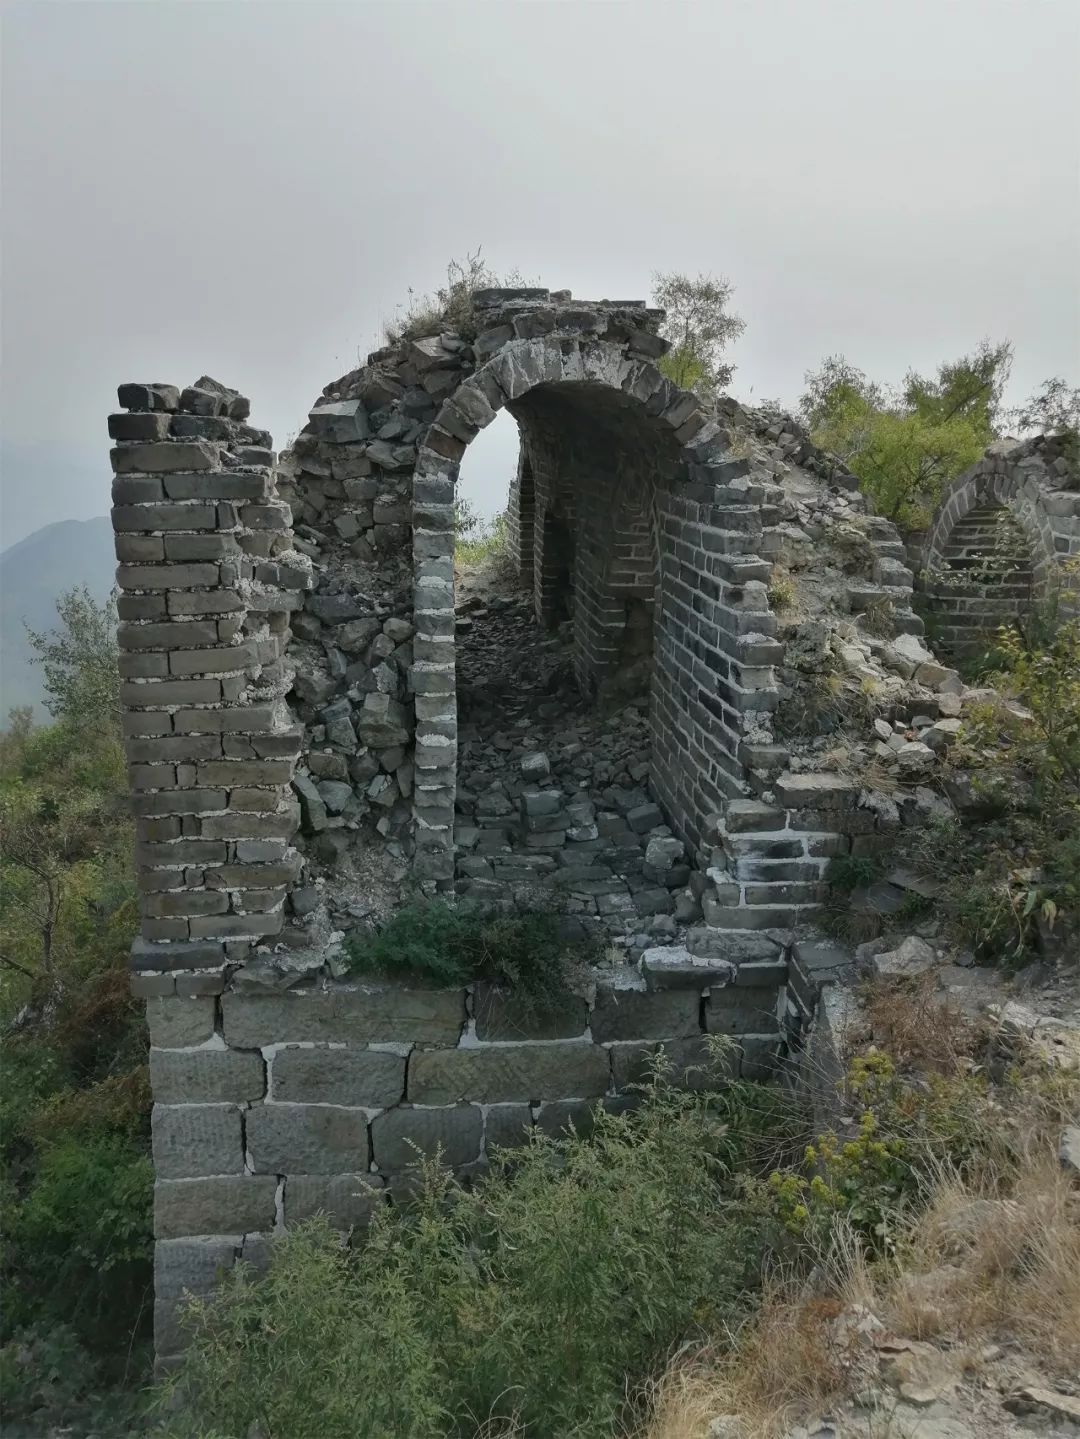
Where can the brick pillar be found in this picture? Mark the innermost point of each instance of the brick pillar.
(520, 521)
(207, 575)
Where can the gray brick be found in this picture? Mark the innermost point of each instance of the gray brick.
(226, 1204)
(508, 1071)
(190, 1140)
(171, 692)
(172, 749)
(163, 517)
(162, 458)
(630, 1014)
(142, 666)
(353, 1016)
(145, 955)
(178, 1023)
(200, 547)
(171, 635)
(245, 772)
(307, 1139)
(346, 1199)
(216, 661)
(220, 486)
(138, 427)
(456, 1131)
(364, 1077)
(205, 1076)
(243, 719)
(136, 489)
(558, 1115)
(165, 577)
(236, 926)
(139, 549)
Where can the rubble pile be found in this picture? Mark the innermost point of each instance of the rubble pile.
(553, 803)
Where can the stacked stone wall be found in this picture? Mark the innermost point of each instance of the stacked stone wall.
(272, 1107)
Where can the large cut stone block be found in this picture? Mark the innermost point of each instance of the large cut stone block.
(350, 1016)
(506, 1125)
(196, 1139)
(508, 1071)
(691, 1064)
(345, 1199)
(815, 791)
(177, 1023)
(401, 1136)
(307, 1139)
(192, 1266)
(630, 1014)
(500, 1014)
(741, 1010)
(226, 1204)
(338, 1076)
(205, 1076)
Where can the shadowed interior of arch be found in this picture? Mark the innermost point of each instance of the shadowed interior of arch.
(554, 646)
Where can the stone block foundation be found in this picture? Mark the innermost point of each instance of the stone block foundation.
(271, 1107)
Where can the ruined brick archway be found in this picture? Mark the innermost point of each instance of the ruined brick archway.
(998, 541)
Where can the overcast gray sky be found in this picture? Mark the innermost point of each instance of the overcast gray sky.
(248, 188)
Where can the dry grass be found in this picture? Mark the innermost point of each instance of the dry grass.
(1011, 1276)
(998, 1261)
(992, 1258)
(918, 1025)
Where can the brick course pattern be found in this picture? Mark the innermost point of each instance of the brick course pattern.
(211, 745)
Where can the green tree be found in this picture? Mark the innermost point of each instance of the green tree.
(905, 445)
(699, 326)
(80, 661)
(1054, 408)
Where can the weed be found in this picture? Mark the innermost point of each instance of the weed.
(781, 590)
(847, 871)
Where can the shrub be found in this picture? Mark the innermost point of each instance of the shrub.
(453, 944)
(79, 1245)
(480, 544)
(530, 1300)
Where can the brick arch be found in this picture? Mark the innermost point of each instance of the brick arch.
(586, 387)
(1012, 522)
(984, 489)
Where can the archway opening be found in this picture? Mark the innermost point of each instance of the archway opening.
(555, 669)
(983, 579)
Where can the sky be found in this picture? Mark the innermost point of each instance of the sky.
(248, 189)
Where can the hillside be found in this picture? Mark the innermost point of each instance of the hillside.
(33, 573)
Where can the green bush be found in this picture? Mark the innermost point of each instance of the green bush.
(454, 944)
(534, 1299)
(79, 1244)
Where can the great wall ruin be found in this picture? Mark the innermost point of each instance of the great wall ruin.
(317, 723)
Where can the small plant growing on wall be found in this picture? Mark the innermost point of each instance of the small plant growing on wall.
(454, 945)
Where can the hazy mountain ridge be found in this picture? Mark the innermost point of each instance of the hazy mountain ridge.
(34, 572)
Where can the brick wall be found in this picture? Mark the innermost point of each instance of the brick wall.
(208, 578)
(270, 1107)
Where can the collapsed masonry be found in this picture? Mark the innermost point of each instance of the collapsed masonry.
(315, 721)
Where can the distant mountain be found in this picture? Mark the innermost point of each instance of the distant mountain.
(33, 574)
